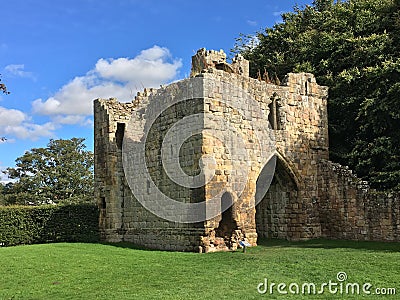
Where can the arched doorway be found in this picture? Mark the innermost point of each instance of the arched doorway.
(227, 224)
(272, 211)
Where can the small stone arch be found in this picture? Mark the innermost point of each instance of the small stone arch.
(228, 223)
(290, 170)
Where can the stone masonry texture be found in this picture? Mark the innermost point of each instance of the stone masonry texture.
(309, 196)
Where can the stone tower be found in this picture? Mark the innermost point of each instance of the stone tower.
(188, 166)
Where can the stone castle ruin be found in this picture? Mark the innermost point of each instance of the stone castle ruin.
(258, 165)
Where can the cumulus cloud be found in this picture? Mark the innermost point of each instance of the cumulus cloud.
(15, 123)
(18, 70)
(150, 68)
(73, 103)
(30, 130)
(120, 78)
(11, 117)
(76, 97)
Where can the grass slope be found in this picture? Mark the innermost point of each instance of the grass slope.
(98, 271)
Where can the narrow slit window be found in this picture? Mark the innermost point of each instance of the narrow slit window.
(274, 114)
(119, 135)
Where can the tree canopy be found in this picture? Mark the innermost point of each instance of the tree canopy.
(353, 47)
(3, 88)
(63, 171)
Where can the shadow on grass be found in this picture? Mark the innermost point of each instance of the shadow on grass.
(316, 243)
(332, 244)
(127, 245)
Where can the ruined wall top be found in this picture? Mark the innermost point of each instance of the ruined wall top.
(205, 59)
(210, 63)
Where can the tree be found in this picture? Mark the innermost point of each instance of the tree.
(63, 171)
(3, 88)
(322, 5)
(353, 48)
(2, 201)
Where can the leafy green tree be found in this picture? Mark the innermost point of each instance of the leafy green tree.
(63, 171)
(3, 88)
(2, 200)
(353, 48)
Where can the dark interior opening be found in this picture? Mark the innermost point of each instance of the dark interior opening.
(227, 224)
(119, 134)
(103, 203)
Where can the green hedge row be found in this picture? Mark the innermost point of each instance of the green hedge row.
(48, 223)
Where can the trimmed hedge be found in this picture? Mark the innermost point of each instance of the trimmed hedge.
(48, 223)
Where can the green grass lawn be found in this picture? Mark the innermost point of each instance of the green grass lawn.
(99, 271)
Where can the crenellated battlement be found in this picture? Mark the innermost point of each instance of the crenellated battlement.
(206, 59)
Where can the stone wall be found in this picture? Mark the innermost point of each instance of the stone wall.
(122, 216)
(349, 209)
(110, 116)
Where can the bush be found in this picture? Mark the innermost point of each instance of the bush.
(48, 223)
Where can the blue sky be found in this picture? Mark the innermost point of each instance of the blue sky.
(57, 56)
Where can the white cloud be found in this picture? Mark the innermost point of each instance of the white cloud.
(73, 119)
(73, 103)
(15, 123)
(31, 131)
(11, 117)
(18, 70)
(76, 97)
(150, 68)
(69, 119)
(251, 23)
(119, 78)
